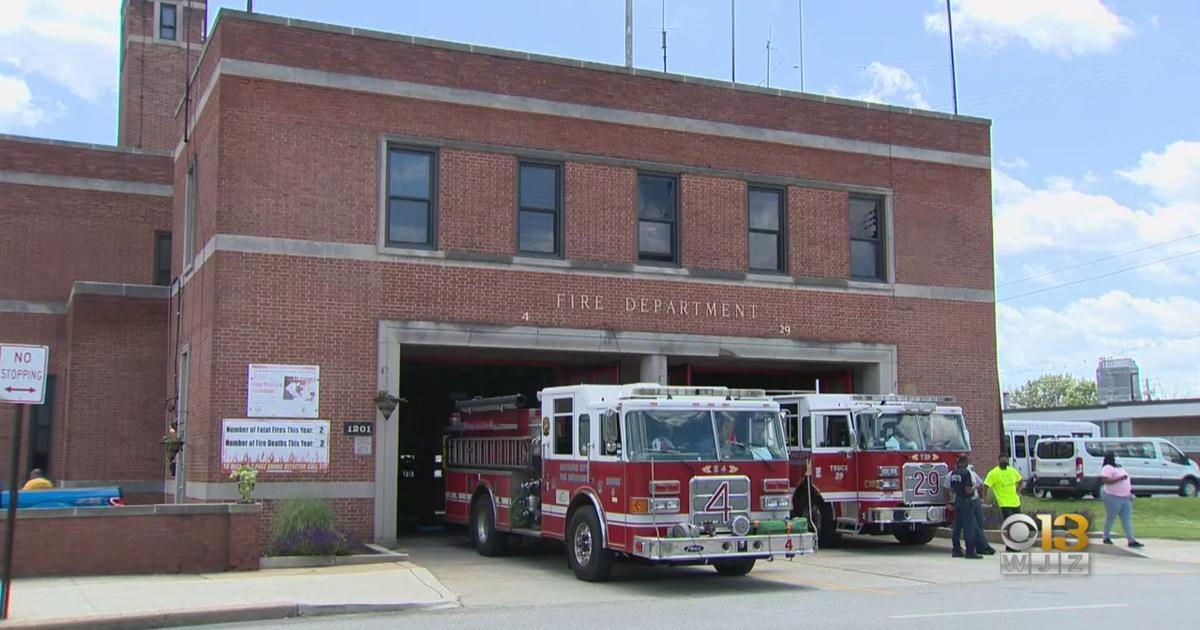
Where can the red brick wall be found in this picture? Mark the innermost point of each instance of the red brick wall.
(600, 213)
(153, 76)
(133, 541)
(116, 406)
(79, 161)
(273, 43)
(352, 516)
(713, 230)
(818, 233)
(478, 201)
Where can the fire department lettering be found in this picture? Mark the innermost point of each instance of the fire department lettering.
(656, 306)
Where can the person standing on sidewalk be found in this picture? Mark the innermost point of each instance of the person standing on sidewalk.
(982, 546)
(963, 487)
(1005, 485)
(1118, 499)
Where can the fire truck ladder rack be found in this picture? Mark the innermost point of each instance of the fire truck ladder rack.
(670, 391)
(792, 392)
(503, 453)
(887, 398)
(494, 403)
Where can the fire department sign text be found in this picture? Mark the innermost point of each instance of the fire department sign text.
(656, 306)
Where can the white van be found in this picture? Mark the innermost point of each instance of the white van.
(1021, 439)
(1071, 467)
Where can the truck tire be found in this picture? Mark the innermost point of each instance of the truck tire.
(586, 554)
(487, 539)
(1189, 488)
(734, 567)
(820, 520)
(915, 537)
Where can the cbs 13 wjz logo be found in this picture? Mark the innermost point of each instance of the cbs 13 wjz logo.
(1038, 551)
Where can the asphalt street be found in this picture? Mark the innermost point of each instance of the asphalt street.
(871, 582)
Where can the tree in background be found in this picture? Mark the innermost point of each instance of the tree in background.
(1054, 390)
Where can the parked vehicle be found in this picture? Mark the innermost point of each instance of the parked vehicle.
(1071, 467)
(65, 498)
(877, 463)
(1021, 439)
(669, 475)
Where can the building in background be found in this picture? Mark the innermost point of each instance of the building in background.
(1117, 380)
(1175, 420)
(357, 211)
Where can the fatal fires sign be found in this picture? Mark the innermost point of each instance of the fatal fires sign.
(23, 374)
(275, 446)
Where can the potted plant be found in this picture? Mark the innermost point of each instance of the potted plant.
(245, 477)
(386, 403)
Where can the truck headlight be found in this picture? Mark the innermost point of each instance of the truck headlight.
(659, 506)
(774, 503)
(889, 471)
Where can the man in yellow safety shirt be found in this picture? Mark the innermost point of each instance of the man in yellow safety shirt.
(1005, 484)
(37, 481)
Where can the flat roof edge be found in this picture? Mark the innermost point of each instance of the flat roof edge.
(68, 144)
(226, 13)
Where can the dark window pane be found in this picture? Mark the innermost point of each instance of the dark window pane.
(764, 209)
(864, 218)
(656, 198)
(539, 187)
(162, 258)
(537, 232)
(864, 259)
(764, 251)
(408, 221)
(654, 238)
(166, 20)
(409, 174)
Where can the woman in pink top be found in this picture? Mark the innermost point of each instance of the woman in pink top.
(1118, 499)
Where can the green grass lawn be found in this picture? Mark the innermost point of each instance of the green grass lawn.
(1177, 518)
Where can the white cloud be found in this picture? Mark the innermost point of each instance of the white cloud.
(16, 104)
(1173, 174)
(1162, 335)
(1067, 28)
(1060, 217)
(1015, 164)
(70, 42)
(893, 85)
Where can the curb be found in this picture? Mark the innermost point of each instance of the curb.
(380, 555)
(208, 616)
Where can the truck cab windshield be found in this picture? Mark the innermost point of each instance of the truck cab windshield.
(911, 432)
(685, 435)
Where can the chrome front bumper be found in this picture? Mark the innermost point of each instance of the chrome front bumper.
(705, 548)
(919, 514)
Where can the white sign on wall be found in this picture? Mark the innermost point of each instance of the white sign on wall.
(283, 391)
(275, 446)
(23, 374)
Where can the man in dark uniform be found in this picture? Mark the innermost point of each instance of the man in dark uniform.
(962, 485)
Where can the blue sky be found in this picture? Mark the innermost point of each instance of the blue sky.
(1095, 135)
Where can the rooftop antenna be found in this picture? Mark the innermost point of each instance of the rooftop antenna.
(249, 6)
(664, 34)
(732, 44)
(801, 12)
(953, 74)
(628, 33)
(770, 33)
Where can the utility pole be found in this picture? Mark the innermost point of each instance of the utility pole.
(953, 73)
(732, 44)
(629, 34)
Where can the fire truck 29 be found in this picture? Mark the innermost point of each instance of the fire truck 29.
(671, 475)
(872, 464)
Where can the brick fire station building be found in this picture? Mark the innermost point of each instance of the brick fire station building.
(440, 221)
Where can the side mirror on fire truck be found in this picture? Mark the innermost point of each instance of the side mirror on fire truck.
(610, 432)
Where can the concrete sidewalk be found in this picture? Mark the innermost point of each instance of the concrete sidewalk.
(158, 601)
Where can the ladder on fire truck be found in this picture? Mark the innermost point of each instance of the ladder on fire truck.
(494, 453)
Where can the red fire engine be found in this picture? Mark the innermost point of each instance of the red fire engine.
(673, 475)
(872, 464)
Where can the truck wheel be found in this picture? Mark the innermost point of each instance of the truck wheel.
(1189, 488)
(586, 554)
(733, 567)
(914, 537)
(488, 541)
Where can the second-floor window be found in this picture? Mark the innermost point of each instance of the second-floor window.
(539, 215)
(191, 198)
(866, 238)
(766, 229)
(658, 218)
(410, 205)
(162, 258)
(166, 21)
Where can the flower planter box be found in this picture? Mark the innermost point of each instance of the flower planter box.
(379, 555)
